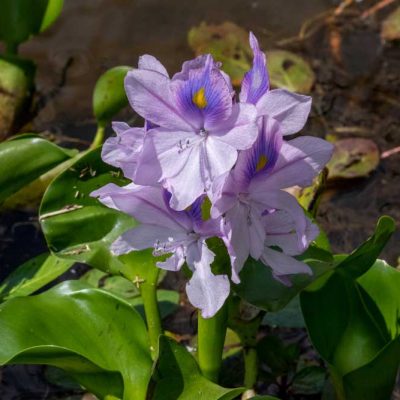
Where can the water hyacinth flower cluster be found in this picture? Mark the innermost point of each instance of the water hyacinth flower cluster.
(202, 143)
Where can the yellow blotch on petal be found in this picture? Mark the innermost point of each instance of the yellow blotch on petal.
(199, 98)
(262, 162)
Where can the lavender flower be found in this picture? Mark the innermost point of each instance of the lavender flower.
(289, 109)
(252, 192)
(198, 141)
(180, 233)
(199, 130)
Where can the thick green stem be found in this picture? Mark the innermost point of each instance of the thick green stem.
(99, 138)
(250, 367)
(210, 343)
(148, 291)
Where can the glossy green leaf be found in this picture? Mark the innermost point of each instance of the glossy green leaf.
(289, 317)
(97, 338)
(78, 227)
(19, 19)
(126, 289)
(24, 159)
(290, 71)
(258, 286)
(109, 94)
(352, 319)
(178, 377)
(33, 275)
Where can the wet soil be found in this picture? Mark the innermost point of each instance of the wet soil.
(356, 94)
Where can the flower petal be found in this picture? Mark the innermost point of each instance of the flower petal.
(282, 264)
(173, 263)
(280, 200)
(149, 94)
(256, 81)
(205, 290)
(123, 151)
(280, 231)
(290, 109)
(300, 160)
(151, 63)
(146, 204)
(240, 130)
(237, 238)
(204, 96)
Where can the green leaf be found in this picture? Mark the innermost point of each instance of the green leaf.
(352, 319)
(290, 71)
(289, 317)
(258, 286)
(178, 377)
(25, 158)
(100, 340)
(78, 227)
(33, 275)
(19, 19)
(124, 288)
(109, 94)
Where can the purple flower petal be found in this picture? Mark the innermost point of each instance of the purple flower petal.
(205, 290)
(240, 130)
(173, 263)
(281, 231)
(282, 264)
(289, 109)
(256, 81)
(203, 97)
(123, 151)
(300, 160)
(149, 94)
(151, 63)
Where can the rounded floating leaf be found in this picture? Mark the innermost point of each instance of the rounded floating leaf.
(100, 340)
(109, 94)
(290, 71)
(391, 26)
(19, 19)
(25, 158)
(228, 43)
(76, 225)
(353, 158)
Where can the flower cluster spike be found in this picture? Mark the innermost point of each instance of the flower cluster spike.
(200, 141)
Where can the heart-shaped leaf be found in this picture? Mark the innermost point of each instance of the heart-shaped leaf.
(178, 377)
(19, 19)
(77, 226)
(109, 94)
(25, 158)
(33, 275)
(96, 337)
